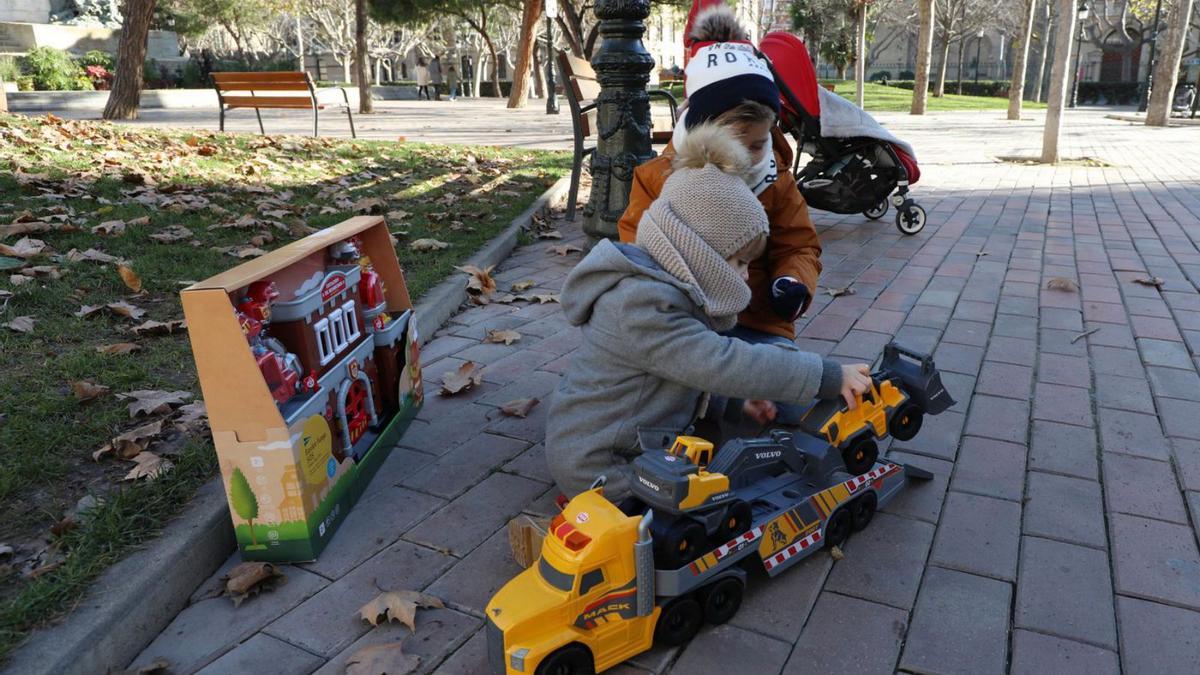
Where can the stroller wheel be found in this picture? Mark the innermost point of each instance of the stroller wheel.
(910, 220)
(876, 212)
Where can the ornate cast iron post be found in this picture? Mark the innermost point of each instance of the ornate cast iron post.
(622, 67)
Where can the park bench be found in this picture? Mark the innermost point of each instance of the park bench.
(582, 89)
(240, 90)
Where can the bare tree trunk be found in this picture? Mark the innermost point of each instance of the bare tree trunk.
(126, 93)
(519, 95)
(1039, 83)
(346, 68)
(962, 45)
(941, 81)
(1166, 71)
(539, 81)
(1059, 76)
(300, 45)
(926, 9)
(1016, 87)
(860, 55)
(365, 104)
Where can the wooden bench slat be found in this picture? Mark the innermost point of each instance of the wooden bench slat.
(270, 102)
(267, 76)
(262, 86)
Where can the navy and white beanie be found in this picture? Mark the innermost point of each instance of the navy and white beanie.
(721, 76)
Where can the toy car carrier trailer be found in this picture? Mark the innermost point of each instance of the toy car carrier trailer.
(596, 598)
(609, 585)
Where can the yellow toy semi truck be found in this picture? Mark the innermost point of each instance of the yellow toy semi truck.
(608, 584)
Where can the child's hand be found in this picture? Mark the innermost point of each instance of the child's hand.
(759, 411)
(855, 380)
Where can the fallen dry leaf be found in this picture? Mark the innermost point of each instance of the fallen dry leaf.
(369, 206)
(191, 414)
(155, 667)
(24, 247)
(397, 606)
(86, 390)
(836, 553)
(118, 348)
(1062, 284)
(549, 234)
(384, 659)
(122, 308)
(481, 285)
(522, 286)
(148, 465)
(838, 292)
(397, 215)
(88, 310)
(519, 407)
(422, 245)
(153, 402)
(250, 578)
(131, 278)
(1156, 282)
(159, 327)
(21, 324)
(565, 249)
(132, 442)
(172, 233)
(468, 375)
(109, 227)
(507, 337)
(144, 220)
(92, 255)
(541, 298)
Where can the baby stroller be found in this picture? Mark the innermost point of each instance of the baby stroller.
(1185, 97)
(851, 174)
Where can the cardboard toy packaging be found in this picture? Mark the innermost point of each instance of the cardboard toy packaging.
(309, 362)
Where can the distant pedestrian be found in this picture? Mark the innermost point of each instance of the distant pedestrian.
(422, 79)
(452, 82)
(435, 74)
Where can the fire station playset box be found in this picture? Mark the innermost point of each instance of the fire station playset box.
(309, 362)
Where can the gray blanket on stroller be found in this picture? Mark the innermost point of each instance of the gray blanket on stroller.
(840, 118)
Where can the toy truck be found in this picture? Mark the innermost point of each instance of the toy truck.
(600, 592)
(903, 390)
(608, 585)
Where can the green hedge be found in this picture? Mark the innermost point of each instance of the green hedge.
(996, 88)
(54, 70)
(1109, 93)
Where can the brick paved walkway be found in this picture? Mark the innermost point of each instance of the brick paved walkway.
(1058, 535)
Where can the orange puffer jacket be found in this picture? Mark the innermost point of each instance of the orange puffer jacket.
(793, 249)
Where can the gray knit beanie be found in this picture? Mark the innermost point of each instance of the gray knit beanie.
(705, 214)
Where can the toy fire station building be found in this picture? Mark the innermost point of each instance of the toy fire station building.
(350, 349)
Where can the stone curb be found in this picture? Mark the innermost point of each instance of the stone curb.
(1140, 118)
(137, 597)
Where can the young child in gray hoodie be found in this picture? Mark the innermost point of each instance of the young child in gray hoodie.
(651, 316)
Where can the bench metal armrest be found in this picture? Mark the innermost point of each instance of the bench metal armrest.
(345, 96)
(587, 108)
(663, 93)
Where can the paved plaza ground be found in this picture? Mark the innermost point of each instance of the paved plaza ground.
(1059, 532)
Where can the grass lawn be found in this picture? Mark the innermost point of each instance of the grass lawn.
(878, 98)
(65, 516)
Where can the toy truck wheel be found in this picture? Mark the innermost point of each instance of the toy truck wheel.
(736, 521)
(837, 530)
(569, 660)
(906, 422)
(723, 600)
(862, 510)
(860, 454)
(683, 542)
(679, 621)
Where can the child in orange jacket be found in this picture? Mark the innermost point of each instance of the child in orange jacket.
(728, 84)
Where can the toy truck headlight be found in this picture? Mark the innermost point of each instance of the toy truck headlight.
(516, 660)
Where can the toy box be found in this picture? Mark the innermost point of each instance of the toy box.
(309, 362)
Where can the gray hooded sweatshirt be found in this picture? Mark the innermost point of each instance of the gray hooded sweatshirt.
(647, 355)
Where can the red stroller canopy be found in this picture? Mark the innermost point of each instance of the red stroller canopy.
(789, 58)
